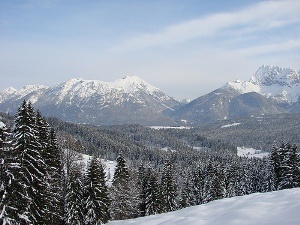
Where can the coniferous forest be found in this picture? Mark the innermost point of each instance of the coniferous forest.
(43, 179)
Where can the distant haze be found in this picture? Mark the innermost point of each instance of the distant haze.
(185, 48)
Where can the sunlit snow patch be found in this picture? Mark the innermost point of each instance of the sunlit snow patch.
(251, 152)
(278, 207)
(2, 125)
(230, 125)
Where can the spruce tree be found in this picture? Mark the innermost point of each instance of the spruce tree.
(55, 180)
(7, 211)
(169, 188)
(274, 161)
(96, 200)
(124, 193)
(289, 167)
(269, 179)
(74, 197)
(29, 172)
(153, 198)
(143, 178)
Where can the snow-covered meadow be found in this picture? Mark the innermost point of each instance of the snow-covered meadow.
(251, 152)
(273, 208)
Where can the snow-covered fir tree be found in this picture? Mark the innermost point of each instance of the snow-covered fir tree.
(169, 188)
(74, 196)
(7, 211)
(29, 171)
(124, 193)
(153, 198)
(55, 180)
(143, 183)
(288, 167)
(96, 199)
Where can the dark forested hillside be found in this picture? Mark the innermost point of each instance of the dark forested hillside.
(135, 141)
(256, 132)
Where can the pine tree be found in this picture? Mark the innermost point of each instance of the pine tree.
(124, 193)
(74, 198)
(269, 180)
(96, 200)
(153, 198)
(29, 184)
(143, 180)
(274, 161)
(289, 167)
(55, 180)
(198, 181)
(169, 188)
(7, 212)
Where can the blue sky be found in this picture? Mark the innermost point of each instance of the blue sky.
(185, 48)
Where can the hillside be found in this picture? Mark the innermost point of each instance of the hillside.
(278, 207)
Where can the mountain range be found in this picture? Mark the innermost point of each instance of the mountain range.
(270, 90)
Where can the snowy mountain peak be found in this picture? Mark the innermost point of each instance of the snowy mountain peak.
(21, 93)
(269, 75)
(279, 83)
(131, 84)
(9, 90)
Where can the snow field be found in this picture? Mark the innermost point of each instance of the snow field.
(251, 152)
(273, 208)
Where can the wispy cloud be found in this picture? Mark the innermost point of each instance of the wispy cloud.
(270, 48)
(262, 16)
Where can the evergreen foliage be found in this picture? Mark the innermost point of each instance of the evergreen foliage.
(74, 198)
(28, 186)
(96, 199)
(153, 198)
(124, 193)
(169, 188)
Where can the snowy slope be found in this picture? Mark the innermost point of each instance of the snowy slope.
(279, 207)
(283, 84)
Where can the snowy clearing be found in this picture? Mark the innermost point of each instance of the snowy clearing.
(278, 207)
(230, 125)
(251, 152)
(168, 127)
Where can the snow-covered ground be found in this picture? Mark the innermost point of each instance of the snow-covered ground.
(230, 125)
(273, 208)
(251, 152)
(168, 127)
(2, 125)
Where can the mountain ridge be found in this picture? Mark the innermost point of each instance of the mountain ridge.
(270, 90)
(127, 100)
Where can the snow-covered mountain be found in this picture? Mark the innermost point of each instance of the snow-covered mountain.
(278, 207)
(270, 90)
(282, 84)
(127, 100)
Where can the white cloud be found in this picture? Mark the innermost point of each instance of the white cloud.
(270, 48)
(264, 15)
